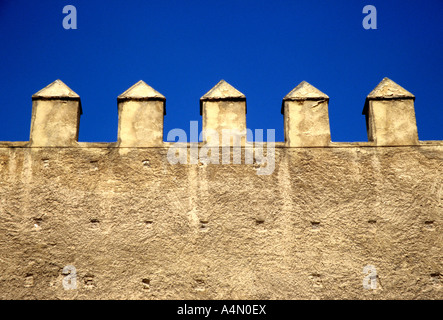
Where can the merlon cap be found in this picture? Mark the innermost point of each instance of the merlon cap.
(141, 91)
(222, 91)
(304, 91)
(387, 90)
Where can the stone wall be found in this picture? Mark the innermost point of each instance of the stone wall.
(132, 225)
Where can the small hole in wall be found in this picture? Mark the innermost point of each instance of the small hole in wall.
(94, 164)
(259, 221)
(88, 281)
(372, 225)
(29, 280)
(45, 163)
(95, 223)
(37, 223)
(200, 285)
(436, 278)
(258, 163)
(146, 283)
(316, 280)
(429, 225)
(149, 223)
(203, 225)
(315, 225)
(146, 163)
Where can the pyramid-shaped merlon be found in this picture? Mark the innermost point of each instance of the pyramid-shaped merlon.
(388, 89)
(305, 91)
(141, 91)
(221, 91)
(385, 90)
(56, 111)
(141, 110)
(56, 90)
(390, 115)
(391, 120)
(306, 118)
(223, 108)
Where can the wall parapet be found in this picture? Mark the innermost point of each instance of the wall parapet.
(302, 221)
(278, 145)
(56, 110)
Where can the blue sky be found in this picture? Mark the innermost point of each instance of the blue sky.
(183, 48)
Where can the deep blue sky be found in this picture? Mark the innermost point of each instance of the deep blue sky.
(183, 48)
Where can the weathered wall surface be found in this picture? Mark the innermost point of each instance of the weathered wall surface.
(152, 230)
(136, 226)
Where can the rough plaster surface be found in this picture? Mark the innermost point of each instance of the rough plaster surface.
(392, 122)
(223, 90)
(136, 227)
(388, 89)
(306, 117)
(390, 115)
(307, 123)
(141, 90)
(55, 123)
(223, 115)
(223, 108)
(55, 120)
(140, 123)
(305, 91)
(57, 89)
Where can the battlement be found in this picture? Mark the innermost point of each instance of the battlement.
(129, 220)
(56, 110)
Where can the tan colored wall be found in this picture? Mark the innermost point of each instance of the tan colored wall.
(134, 115)
(223, 115)
(136, 226)
(393, 116)
(303, 130)
(119, 220)
(58, 118)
